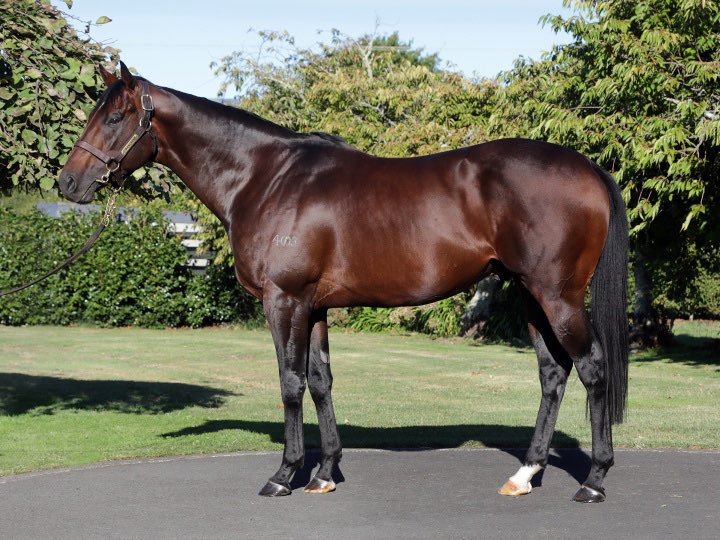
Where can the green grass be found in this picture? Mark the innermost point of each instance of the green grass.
(71, 396)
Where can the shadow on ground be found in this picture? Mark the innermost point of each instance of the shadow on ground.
(689, 350)
(510, 439)
(20, 394)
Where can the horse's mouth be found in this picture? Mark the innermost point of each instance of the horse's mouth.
(81, 197)
(87, 198)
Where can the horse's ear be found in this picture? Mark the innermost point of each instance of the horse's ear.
(108, 76)
(127, 77)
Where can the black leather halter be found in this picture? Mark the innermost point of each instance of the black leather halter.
(113, 160)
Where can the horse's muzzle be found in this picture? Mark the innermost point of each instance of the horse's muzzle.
(71, 188)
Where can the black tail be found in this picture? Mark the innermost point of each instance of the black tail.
(608, 308)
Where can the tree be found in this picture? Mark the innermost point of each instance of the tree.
(637, 90)
(379, 93)
(48, 82)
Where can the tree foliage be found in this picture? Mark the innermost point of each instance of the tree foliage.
(48, 83)
(637, 90)
(379, 93)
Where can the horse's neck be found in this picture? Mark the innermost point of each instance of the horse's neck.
(211, 147)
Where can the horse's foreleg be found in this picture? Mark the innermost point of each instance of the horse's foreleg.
(288, 319)
(554, 366)
(320, 383)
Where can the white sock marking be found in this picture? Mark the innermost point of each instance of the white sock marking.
(524, 475)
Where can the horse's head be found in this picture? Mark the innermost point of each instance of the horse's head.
(116, 141)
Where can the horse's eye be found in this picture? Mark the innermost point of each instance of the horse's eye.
(114, 118)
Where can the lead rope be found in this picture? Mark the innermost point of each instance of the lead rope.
(105, 221)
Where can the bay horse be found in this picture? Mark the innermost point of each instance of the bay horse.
(316, 224)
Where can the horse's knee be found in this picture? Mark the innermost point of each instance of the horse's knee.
(552, 381)
(292, 388)
(319, 390)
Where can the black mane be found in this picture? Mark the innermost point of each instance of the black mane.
(244, 115)
(329, 137)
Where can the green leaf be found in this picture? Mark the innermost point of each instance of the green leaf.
(73, 64)
(103, 20)
(87, 79)
(61, 89)
(29, 136)
(68, 74)
(695, 211)
(80, 114)
(47, 183)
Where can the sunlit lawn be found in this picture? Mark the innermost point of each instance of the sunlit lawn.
(71, 396)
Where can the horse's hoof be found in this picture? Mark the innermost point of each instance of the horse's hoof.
(318, 485)
(511, 489)
(272, 489)
(589, 495)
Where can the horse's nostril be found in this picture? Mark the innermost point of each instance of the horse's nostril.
(71, 184)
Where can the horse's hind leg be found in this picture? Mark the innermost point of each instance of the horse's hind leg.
(571, 326)
(320, 384)
(592, 372)
(554, 365)
(288, 318)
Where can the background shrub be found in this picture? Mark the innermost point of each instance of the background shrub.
(216, 297)
(134, 275)
(439, 318)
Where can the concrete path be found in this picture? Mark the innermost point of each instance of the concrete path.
(386, 494)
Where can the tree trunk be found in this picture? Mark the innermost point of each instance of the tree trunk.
(478, 309)
(643, 309)
(649, 329)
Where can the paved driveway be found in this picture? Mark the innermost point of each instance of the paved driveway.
(385, 494)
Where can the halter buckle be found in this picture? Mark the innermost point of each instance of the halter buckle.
(147, 103)
(111, 166)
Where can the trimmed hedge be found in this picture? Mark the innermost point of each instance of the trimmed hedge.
(134, 275)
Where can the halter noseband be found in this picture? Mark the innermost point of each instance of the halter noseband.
(112, 161)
